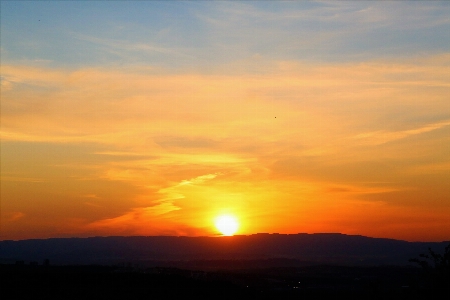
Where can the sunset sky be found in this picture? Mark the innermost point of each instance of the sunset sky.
(155, 118)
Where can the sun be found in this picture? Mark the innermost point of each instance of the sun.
(226, 224)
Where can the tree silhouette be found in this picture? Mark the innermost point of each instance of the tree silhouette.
(440, 262)
(437, 269)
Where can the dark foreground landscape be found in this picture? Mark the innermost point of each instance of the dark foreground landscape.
(314, 282)
(327, 266)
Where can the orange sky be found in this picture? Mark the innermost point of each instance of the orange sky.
(285, 144)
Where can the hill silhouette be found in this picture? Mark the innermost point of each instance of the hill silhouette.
(273, 249)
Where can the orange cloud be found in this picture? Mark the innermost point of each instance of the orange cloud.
(381, 137)
(286, 150)
(13, 216)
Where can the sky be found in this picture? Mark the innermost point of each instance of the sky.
(154, 118)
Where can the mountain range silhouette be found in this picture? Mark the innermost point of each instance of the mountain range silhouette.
(273, 249)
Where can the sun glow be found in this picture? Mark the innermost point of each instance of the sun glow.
(226, 224)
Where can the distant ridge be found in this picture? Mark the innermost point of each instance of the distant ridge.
(319, 248)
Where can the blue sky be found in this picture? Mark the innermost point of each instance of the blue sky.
(179, 35)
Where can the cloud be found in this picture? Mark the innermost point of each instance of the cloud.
(5, 85)
(19, 178)
(154, 218)
(381, 137)
(168, 151)
(139, 221)
(430, 168)
(13, 216)
(112, 45)
(110, 106)
(360, 190)
(183, 142)
(199, 179)
(325, 30)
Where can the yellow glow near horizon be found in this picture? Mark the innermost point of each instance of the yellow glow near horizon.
(227, 224)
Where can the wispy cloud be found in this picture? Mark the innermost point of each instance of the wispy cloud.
(13, 216)
(161, 105)
(114, 44)
(199, 179)
(139, 221)
(169, 151)
(381, 137)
